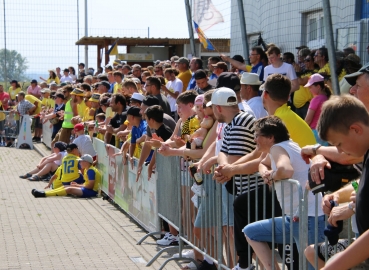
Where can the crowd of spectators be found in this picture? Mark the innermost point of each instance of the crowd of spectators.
(238, 118)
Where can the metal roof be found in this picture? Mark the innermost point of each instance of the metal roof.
(133, 41)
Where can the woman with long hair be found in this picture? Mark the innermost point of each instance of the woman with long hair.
(52, 77)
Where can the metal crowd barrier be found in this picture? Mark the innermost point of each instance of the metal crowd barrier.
(345, 234)
(9, 127)
(202, 228)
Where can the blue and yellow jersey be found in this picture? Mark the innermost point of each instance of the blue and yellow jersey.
(69, 168)
(92, 174)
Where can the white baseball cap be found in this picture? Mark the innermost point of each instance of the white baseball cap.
(220, 97)
(138, 96)
(87, 158)
(250, 79)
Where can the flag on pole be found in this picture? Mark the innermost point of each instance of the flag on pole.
(113, 49)
(205, 14)
(203, 39)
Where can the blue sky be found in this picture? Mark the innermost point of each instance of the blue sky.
(46, 32)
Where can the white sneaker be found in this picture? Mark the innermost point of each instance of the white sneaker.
(195, 200)
(190, 265)
(168, 240)
(198, 190)
(186, 254)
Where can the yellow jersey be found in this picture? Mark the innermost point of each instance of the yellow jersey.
(69, 168)
(81, 108)
(185, 77)
(325, 70)
(48, 103)
(299, 130)
(92, 174)
(33, 100)
(13, 92)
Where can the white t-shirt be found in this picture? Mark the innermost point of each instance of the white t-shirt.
(285, 69)
(243, 106)
(85, 145)
(174, 86)
(66, 79)
(300, 173)
(256, 105)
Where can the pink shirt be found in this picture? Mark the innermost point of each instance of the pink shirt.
(316, 105)
(4, 97)
(34, 91)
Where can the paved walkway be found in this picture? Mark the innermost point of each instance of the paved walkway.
(63, 232)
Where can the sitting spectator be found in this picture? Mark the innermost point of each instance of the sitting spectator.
(283, 161)
(48, 164)
(90, 187)
(83, 141)
(66, 173)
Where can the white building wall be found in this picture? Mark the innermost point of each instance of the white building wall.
(284, 22)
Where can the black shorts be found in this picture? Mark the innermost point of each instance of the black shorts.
(38, 122)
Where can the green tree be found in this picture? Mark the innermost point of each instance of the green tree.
(16, 66)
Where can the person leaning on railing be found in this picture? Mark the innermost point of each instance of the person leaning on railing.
(283, 161)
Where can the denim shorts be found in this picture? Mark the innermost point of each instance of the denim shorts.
(261, 231)
(227, 207)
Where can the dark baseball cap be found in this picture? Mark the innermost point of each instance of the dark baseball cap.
(33, 81)
(229, 80)
(238, 58)
(134, 111)
(151, 101)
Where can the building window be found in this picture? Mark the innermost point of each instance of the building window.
(313, 27)
(315, 34)
(346, 37)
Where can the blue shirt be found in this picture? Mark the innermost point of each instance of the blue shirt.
(137, 133)
(258, 69)
(192, 83)
(111, 89)
(213, 76)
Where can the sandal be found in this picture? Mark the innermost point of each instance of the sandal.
(25, 176)
(34, 178)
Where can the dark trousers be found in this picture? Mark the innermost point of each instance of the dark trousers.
(244, 215)
(303, 110)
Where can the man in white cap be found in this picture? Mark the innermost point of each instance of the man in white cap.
(250, 92)
(136, 100)
(47, 102)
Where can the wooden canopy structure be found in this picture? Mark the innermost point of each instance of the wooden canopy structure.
(174, 44)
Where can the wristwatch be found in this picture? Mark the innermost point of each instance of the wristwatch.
(315, 148)
(352, 207)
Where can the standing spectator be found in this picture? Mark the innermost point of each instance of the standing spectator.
(136, 71)
(321, 93)
(240, 59)
(81, 70)
(55, 116)
(173, 60)
(195, 65)
(172, 89)
(52, 77)
(219, 68)
(58, 72)
(47, 103)
(300, 59)
(36, 117)
(126, 70)
(348, 50)
(66, 77)
(34, 89)
(158, 70)
(4, 98)
(118, 78)
(14, 89)
(250, 92)
(202, 84)
(153, 87)
(212, 61)
(277, 66)
(24, 106)
(118, 105)
(184, 72)
(321, 58)
(144, 75)
(72, 73)
(103, 87)
(100, 70)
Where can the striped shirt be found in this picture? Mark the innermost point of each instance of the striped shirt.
(239, 141)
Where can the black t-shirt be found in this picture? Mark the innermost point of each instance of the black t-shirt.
(167, 120)
(202, 91)
(116, 122)
(164, 103)
(57, 109)
(164, 132)
(362, 198)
